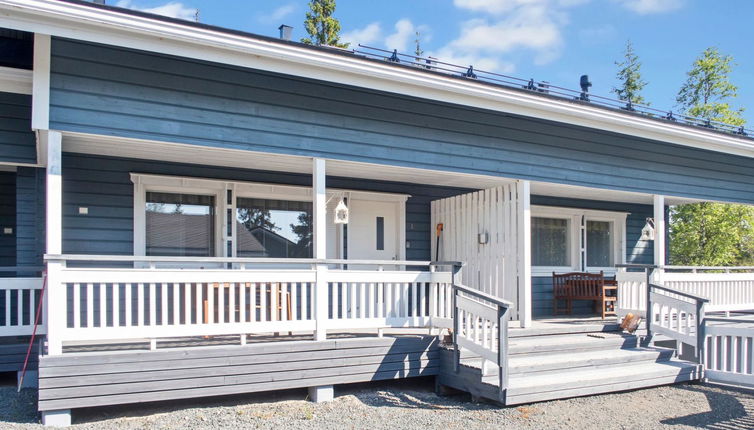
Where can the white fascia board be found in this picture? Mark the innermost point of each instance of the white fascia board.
(114, 28)
(14, 80)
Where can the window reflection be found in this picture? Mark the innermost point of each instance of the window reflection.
(273, 228)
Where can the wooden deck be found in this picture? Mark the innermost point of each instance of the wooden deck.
(97, 378)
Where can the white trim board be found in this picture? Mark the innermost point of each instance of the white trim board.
(576, 230)
(82, 22)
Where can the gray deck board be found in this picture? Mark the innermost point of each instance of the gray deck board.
(159, 375)
(89, 379)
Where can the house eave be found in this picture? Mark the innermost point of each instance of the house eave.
(152, 33)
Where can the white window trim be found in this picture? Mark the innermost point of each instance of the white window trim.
(218, 188)
(575, 216)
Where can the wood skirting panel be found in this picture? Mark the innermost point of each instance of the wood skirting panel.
(98, 379)
(12, 356)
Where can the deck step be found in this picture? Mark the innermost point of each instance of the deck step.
(592, 359)
(570, 343)
(587, 381)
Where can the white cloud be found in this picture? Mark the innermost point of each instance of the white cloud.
(367, 35)
(404, 31)
(282, 12)
(534, 26)
(170, 9)
(647, 7)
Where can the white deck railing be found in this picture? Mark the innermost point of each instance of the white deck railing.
(729, 357)
(19, 298)
(251, 296)
(726, 288)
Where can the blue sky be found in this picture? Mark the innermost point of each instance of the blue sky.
(551, 40)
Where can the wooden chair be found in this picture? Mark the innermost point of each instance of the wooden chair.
(584, 286)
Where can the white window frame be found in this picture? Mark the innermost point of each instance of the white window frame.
(218, 188)
(577, 225)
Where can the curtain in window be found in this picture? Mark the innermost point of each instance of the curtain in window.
(180, 225)
(599, 249)
(550, 242)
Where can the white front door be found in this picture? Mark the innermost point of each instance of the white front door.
(373, 230)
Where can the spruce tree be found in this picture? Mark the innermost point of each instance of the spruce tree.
(322, 27)
(629, 76)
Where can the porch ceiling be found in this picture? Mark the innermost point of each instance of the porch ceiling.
(237, 158)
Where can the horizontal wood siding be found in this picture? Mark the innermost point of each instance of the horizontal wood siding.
(97, 379)
(30, 216)
(637, 251)
(7, 219)
(13, 352)
(115, 91)
(17, 142)
(103, 185)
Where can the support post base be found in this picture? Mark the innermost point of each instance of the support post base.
(59, 418)
(324, 393)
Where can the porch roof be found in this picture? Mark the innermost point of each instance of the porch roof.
(183, 153)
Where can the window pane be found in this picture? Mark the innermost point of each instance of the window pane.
(550, 242)
(180, 225)
(599, 244)
(273, 228)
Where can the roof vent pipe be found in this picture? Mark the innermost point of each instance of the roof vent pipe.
(285, 32)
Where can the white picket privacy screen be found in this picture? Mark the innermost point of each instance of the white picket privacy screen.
(481, 229)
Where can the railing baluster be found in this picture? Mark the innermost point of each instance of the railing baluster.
(352, 293)
(362, 301)
(404, 297)
(263, 301)
(220, 288)
(209, 311)
(199, 313)
(231, 302)
(242, 286)
(163, 304)
(186, 303)
(253, 302)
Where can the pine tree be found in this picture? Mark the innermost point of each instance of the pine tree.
(629, 76)
(706, 92)
(322, 27)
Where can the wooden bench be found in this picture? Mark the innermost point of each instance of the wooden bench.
(584, 286)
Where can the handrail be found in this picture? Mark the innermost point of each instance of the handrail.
(680, 293)
(637, 266)
(700, 319)
(291, 261)
(484, 296)
(499, 305)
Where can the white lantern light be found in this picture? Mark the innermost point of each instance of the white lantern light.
(648, 232)
(341, 212)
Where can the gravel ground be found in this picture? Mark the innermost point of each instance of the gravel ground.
(411, 404)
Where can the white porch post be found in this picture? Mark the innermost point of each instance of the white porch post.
(523, 190)
(319, 242)
(659, 242)
(54, 294)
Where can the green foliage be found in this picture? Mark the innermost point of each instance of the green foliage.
(712, 234)
(629, 76)
(323, 29)
(707, 89)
